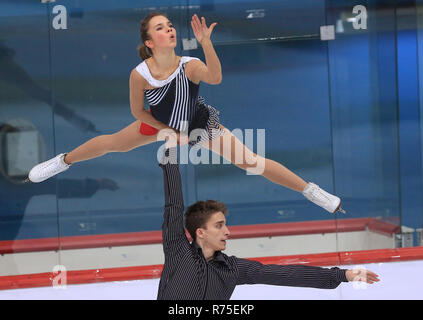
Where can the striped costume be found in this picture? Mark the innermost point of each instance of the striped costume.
(175, 102)
(188, 276)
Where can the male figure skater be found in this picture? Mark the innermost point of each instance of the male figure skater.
(201, 271)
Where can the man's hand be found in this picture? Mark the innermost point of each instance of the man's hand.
(362, 275)
(182, 139)
(176, 139)
(173, 138)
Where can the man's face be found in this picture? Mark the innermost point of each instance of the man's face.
(215, 232)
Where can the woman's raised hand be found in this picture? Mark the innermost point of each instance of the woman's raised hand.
(201, 31)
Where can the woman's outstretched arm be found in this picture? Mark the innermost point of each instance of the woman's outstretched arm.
(211, 71)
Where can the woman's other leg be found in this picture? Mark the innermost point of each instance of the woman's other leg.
(233, 150)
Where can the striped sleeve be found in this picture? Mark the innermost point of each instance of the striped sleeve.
(173, 227)
(254, 272)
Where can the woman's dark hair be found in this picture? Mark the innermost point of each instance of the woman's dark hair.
(200, 212)
(143, 50)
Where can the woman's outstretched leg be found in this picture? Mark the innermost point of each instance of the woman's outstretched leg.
(122, 141)
(233, 150)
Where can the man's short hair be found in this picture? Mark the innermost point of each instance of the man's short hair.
(200, 212)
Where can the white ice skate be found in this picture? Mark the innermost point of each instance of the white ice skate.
(322, 198)
(48, 169)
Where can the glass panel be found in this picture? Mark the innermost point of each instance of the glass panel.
(257, 21)
(410, 126)
(119, 192)
(363, 96)
(28, 212)
(418, 214)
(280, 85)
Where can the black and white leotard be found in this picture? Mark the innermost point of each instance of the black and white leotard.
(175, 102)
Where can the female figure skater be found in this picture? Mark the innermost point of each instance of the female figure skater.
(171, 83)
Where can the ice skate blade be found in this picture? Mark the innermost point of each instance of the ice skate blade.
(342, 210)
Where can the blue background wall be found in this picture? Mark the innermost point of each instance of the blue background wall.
(344, 113)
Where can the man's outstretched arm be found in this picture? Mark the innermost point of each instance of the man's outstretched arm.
(173, 226)
(254, 272)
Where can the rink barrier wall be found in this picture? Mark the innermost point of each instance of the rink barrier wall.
(237, 232)
(154, 271)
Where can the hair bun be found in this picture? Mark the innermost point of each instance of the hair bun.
(144, 52)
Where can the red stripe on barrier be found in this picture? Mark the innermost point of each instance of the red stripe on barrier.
(154, 271)
(81, 276)
(316, 259)
(381, 255)
(81, 242)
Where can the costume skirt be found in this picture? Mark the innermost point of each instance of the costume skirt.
(205, 125)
